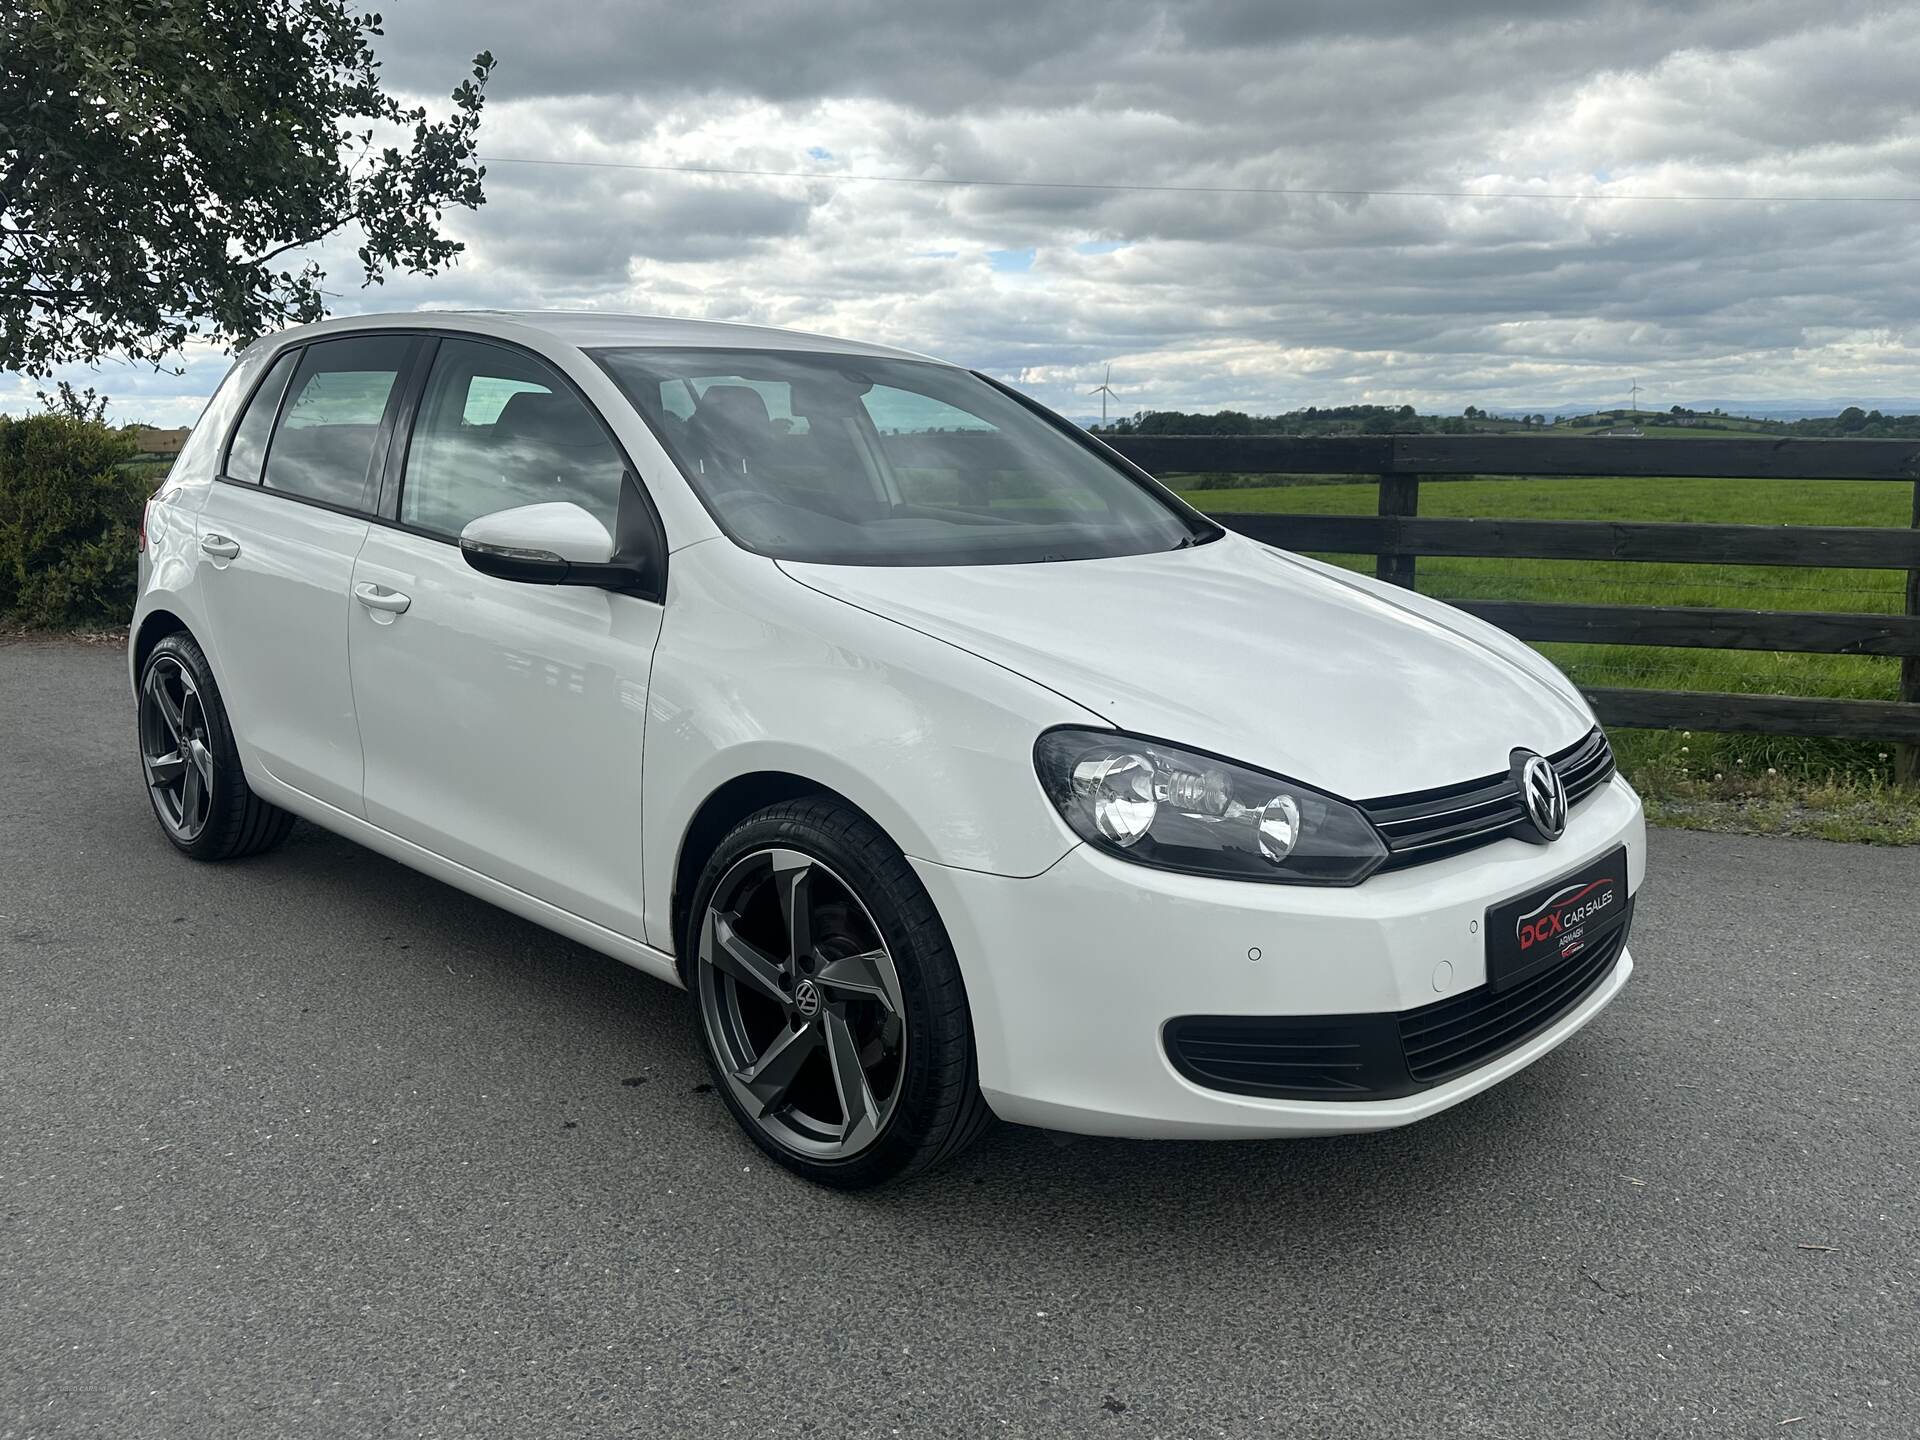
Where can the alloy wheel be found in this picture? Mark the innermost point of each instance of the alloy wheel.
(802, 1004)
(174, 748)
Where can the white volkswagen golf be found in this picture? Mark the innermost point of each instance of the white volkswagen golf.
(953, 764)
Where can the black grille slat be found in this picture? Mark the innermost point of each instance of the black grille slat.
(1464, 835)
(1585, 766)
(1452, 819)
(1497, 808)
(1219, 1047)
(1453, 800)
(1267, 1062)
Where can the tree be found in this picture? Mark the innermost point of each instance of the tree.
(157, 157)
(87, 406)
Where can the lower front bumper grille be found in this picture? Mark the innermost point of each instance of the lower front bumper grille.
(1382, 1056)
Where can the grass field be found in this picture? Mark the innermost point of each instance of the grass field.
(1661, 759)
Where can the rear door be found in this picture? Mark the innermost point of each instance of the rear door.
(278, 537)
(502, 723)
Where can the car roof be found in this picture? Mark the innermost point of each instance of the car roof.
(594, 329)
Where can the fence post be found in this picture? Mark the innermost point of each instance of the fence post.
(1399, 495)
(1906, 757)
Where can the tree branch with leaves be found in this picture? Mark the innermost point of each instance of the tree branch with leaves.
(158, 157)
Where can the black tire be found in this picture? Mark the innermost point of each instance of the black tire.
(936, 1109)
(229, 821)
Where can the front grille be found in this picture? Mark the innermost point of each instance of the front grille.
(1433, 824)
(1450, 1037)
(1382, 1056)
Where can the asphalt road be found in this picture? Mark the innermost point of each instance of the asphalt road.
(312, 1145)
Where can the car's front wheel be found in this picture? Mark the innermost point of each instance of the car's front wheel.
(200, 795)
(828, 999)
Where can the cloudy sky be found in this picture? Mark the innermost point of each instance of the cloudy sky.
(1202, 299)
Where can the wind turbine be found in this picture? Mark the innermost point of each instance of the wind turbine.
(1103, 390)
(1636, 397)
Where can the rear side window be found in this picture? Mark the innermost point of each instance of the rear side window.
(497, 429)
(249, 449)
(323, 447)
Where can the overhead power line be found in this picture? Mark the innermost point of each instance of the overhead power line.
(840, 176)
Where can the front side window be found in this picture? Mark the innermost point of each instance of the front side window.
(498, 429)
(323, 447)
(856, 460)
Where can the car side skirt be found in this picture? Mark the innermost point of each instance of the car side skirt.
(625, 949)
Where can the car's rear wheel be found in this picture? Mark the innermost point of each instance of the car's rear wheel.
(828, 999)
(200, 795)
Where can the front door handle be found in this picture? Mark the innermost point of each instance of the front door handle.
(375, 598)
(220, 546)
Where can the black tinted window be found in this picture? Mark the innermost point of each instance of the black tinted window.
(498, 429)
(249, 446)
(323, 448)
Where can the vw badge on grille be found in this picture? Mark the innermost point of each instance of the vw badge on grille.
(1542, 792)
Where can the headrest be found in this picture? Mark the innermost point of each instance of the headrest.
(547, 419)
(734, 409)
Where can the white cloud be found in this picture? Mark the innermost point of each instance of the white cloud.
(1201, 300)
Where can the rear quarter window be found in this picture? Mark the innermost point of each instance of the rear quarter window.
(199, 458)
(248, 452)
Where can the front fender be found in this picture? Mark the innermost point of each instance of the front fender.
(757, 673)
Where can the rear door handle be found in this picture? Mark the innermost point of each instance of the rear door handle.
(220, 546)
(375, 598)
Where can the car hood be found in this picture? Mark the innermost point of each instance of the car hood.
(1248, 652)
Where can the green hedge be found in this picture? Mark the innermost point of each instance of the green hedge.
(69, 522)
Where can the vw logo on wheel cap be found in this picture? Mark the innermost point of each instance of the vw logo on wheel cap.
(806, 998)
(1542, 792)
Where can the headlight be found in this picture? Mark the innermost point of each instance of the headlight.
(1173, 809)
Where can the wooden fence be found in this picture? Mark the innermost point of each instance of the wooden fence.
(1397, 535)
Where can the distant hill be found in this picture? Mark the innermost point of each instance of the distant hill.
(1792, 408)
(1849, 422)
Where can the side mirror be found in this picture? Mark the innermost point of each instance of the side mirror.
(557, 543)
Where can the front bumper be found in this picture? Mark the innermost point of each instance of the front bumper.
(1072, 975)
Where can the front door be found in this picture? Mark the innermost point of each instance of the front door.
(502, 723)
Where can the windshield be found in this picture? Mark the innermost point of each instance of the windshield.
(853, 460)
